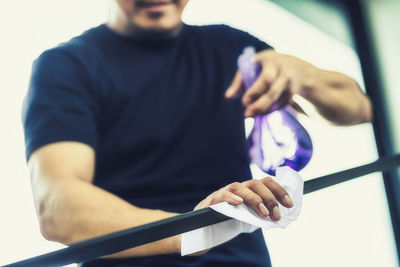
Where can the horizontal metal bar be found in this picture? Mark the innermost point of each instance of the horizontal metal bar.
(118, 241)
(382, 164)
(136, 236)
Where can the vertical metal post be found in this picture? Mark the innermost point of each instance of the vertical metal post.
(373, 83)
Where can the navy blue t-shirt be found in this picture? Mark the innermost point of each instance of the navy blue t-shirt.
(155, 114)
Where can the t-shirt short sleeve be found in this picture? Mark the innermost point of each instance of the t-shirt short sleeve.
(59, 105)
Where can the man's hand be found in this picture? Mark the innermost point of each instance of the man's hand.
(261, 195)
(282, 76)
(336, 96)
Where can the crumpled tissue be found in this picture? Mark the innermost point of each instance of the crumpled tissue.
(244, 219)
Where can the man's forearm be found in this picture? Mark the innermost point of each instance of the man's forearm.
(337, 97)
(75, 210)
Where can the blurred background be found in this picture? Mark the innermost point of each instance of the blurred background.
(352, 224)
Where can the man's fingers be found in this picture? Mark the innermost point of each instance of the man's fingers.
(250, 198)
(261, 85)
(266, 101)
(231, 198)
(267, 196)
(236, 86)
(223, 195)
(261, 195)
(218, 197)
(255, 91)
(279, 192)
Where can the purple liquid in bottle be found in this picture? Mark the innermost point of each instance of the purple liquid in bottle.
(277, 138)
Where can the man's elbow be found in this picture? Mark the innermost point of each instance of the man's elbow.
(366, 111)
(361, 113)
(50, 226)
(48, 230)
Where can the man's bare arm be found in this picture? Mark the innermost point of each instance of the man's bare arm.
(70, 208)
(337, 97)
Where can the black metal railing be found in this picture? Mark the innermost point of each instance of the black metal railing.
(140, 235)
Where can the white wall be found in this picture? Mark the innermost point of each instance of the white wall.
(347, 225)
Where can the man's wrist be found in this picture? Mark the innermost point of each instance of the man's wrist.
(310, 82)
(177, 243)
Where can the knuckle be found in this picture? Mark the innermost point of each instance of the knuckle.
(253, 183)
(215, 193)
(254, 199)
(258, 109)
(272, 203)
(267, 78)
(212, 198)
(245, 99)
(234, 186)
(209, 200)
(267, 180)
(274, 91)
(269, 97)
(274, 95)
(256, 91)
(246, 183)
(226, 194)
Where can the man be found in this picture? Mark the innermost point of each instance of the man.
(131, 123)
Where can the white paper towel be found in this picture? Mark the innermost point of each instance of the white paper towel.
(244, 219)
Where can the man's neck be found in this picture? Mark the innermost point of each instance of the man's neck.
(146, 34)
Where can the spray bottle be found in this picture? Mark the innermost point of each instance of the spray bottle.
(277, 138)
